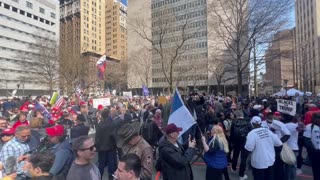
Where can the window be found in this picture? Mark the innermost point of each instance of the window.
(6, 6)
(22, 12)
(41, 10)
(29, 4)
(53, 15)
(29, 15)
(14, 9)
(15, 0)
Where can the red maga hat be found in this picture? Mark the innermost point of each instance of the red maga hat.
(8, 131)
(57, 130)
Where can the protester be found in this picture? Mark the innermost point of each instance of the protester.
(292, 126)
(3, 122)
(279, 128)
(6, 136)
(17, 148)
(131, 142)
(129, 168)
(216, 149)
(80, 129)
(174, 160)
(22, 120)
(61, 149)
(238, 134)
(312, 143)
(82, 167)
(40, 164)
(261, 142)
(105, 142)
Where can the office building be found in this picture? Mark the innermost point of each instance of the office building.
(21, 23)
(116, 30)
(307, 44)
(279, 62)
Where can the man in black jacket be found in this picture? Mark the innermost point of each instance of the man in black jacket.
(106, 144)
(238, 133)
(80, 129)
(175, 159)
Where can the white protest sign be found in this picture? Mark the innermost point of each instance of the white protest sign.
(127, 94)
(286, 106)
(103, 101)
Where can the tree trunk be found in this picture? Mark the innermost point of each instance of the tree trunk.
(239, 82)
(255, 69)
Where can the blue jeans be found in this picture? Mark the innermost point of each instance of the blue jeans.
(107, 158)
(290, 170)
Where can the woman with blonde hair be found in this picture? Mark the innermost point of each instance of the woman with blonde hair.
(216, 149)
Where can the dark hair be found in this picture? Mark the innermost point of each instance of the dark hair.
(316, 119)
(228, 114)
(77, 144)
(132, 162)
(42, 160)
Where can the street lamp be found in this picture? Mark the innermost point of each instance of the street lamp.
(286, 84)
(18, 86)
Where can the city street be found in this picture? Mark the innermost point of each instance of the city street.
(199, 172)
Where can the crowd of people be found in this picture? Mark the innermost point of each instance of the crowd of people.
(132, 137)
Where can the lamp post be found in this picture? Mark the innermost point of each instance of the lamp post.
(286, 84)
(18, 86)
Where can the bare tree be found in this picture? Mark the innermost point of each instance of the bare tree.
(306, 73)
(167, 54)
(141, 63)
(43, 61)
(238, 23)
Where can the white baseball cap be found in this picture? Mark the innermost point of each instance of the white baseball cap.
(256, 120)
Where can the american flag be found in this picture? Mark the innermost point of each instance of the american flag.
(59, 102)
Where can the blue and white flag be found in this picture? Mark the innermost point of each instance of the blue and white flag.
(43, 110)
(145, 91)
(180, 115)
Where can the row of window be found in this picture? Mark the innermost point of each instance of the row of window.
(183, 7)
(22, 32)
(41, 10)
(162, 3)
(174, 19)
(182, 78)
(29, 15)
(197, 56)
(179, 38)
(180, 28)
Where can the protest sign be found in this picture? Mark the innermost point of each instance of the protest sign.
(127, 94)
(286, 106)
(103, 101)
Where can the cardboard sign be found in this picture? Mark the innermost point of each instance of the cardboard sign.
(162, 100)
(286, 106)
(103, 101)
(127, 94)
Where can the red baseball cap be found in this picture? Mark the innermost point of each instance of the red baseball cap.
(8, 131)
(100, 107)
(57, 130)
(171, 128)
(277, 113)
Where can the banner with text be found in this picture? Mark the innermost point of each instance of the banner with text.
(127, 94)
(103, 101)
(286, 106)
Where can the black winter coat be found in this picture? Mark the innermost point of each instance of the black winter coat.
(175, 162)
(105, 135)
(79, 130)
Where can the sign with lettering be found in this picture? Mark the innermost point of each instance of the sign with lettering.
(286, 106)
(127, 94)
(103, 101)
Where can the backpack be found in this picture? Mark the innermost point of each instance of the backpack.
(147, 131)
(240, 132)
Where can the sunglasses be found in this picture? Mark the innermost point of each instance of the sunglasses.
(89, 148)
